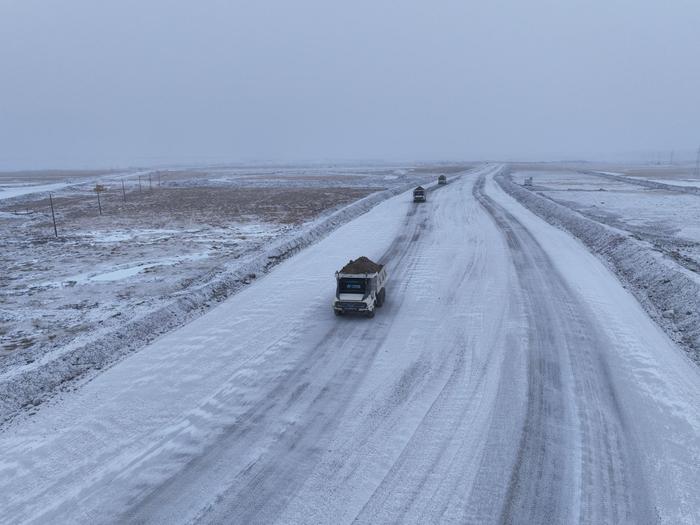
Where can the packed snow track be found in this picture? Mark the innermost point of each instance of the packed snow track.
(509, 378)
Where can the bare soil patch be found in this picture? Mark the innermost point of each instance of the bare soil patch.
(103, 269)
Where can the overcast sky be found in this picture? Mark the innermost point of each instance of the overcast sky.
(137, 82)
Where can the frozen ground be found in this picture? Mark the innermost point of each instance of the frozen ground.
(669, 220)
(509, 378)
(176, 234)
(648, 261)
(673, 175)
(156, 259)
(14, 184)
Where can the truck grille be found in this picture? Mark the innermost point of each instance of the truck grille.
(351, 305)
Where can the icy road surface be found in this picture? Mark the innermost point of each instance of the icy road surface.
(508, 379)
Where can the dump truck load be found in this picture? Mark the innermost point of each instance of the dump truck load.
(362, 265)
(360, 287)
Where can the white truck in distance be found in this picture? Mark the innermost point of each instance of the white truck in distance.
(360, 287)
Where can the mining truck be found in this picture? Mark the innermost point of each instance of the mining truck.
(442, 179)
(419, 194)
(360, 287)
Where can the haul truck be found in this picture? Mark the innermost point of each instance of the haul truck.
(360, 287)
(442, 179)
(419, 194)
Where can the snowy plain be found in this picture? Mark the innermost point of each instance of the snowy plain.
(670, 220)
(152, 245)
(165, 278)
(509, 378)
(11, 191)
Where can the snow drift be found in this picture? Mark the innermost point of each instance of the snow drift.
(668, 292)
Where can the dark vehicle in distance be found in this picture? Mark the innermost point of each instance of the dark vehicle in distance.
(419, 194)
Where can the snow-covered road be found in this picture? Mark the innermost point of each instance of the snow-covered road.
(509, 378)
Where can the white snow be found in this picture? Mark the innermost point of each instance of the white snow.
(9, 190)
(30, 378)
(647, 235)
(659, 387)
(9, 215)
(129, 406)
(118, 274)
(509, 374)
(12, 191)
(694, 183)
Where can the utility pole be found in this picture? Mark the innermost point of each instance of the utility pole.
(670, 162)
(123, 191)
(53, 216)
(139, 183)
(99, 188)
(150, 184)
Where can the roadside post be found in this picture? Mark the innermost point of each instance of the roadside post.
(53, 217)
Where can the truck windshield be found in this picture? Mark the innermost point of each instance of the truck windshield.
(349, 285)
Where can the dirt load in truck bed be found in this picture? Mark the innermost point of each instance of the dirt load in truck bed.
(362, 265)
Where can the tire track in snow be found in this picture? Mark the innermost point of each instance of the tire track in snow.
(244, 498)
(494, 403)
(263, 486)
(406, 454)
(425, 481)
(576, 460)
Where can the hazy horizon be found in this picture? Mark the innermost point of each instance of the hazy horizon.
(113, 84)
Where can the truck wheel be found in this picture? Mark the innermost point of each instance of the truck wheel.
(338, 312)
(370, 314)
(380, 298)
